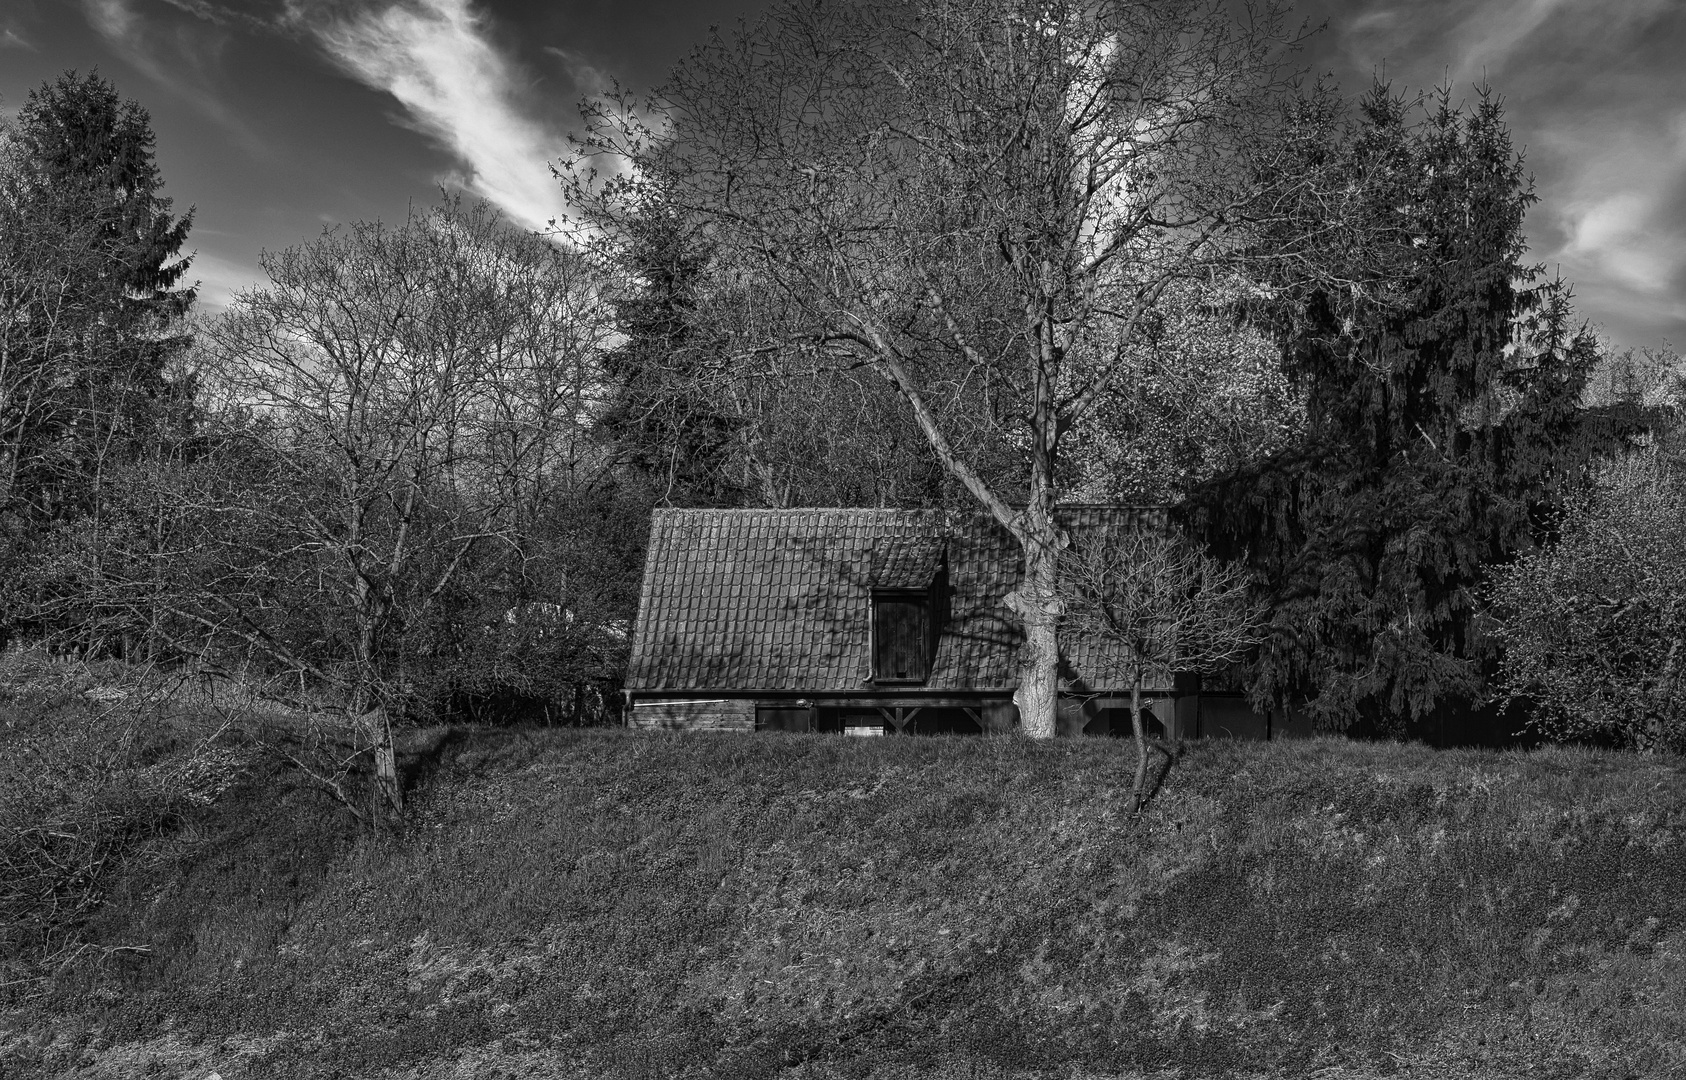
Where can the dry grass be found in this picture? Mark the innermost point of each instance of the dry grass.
(610, 904)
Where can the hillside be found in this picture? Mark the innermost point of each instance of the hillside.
(604, 904)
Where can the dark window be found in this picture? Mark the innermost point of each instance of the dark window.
(901, 638)
(936, 721)
(1116, 722)
(782, 718)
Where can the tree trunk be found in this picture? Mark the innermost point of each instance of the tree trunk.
(1036, 601)
(1037, 604)
(1139, 790)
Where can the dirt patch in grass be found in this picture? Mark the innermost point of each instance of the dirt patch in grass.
(628, 905)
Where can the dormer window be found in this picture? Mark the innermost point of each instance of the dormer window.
(901, 636)
(906, 625)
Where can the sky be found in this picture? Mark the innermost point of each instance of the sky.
(277, 118)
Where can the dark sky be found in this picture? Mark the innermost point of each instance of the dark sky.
(276, 117)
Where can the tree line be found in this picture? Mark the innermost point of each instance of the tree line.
(379, 474)
(972, 253)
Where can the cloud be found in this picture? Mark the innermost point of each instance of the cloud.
(1494, 30)
(1613, 232)
(182, 58)
(437, 59)
(114, 19)
(220, 278)
(1623, 211)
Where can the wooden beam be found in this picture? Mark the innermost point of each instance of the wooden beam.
(899, 716)
(888, 701)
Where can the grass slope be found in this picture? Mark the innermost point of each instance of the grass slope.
(605, 904)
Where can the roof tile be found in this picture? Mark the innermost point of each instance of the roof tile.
(781, 600)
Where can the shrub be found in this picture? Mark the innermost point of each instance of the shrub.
(1593, 627)
(90, 771)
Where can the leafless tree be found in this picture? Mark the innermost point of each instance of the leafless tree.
(986, 203)
(398, 404)
(1171, 607)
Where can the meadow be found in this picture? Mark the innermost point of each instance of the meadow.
(599, 903)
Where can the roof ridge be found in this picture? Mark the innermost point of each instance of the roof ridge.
(802, 509)
(894, 509)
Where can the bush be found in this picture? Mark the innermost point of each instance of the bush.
(90, 773)
(1593, 627)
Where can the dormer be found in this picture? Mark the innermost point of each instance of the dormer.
(907, 623)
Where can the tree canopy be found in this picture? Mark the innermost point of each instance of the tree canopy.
(91, 301)
(1441, 387)
(1594, 627)
(986, 204)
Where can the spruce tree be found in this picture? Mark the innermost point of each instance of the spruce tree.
(83, 138)
(91, 306)
(1442, 381)
(668, 428)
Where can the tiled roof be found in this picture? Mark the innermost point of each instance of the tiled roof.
(781, 600)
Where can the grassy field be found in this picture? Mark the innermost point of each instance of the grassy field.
(603, 904)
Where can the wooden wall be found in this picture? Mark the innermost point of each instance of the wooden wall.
(736, 714)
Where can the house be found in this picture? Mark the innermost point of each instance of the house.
(862, 622)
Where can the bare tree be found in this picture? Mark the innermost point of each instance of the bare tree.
(409, 398)
(1169, 605)
(986, 203)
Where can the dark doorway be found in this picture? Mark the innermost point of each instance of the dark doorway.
(783, 718)
(1116, 723)
(943, 722)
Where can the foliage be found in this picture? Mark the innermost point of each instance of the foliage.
(660, 413)
(90, 301)
(1637, 397)
(423, 497)
(986, 204)
(1645, 377)
(1208, 397)
(1593, 626)
(90, 323)
(1442, 385)
(90, 778)
(610, 905)
(709, 433)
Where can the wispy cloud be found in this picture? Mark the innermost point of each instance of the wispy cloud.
(183, 58)
(438, 60)
(1623, 210)
(1494, 30)
(114, 19)
(220, 278)
(11, 39)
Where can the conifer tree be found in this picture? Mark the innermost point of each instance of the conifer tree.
(675, 436)
(91, 301)
(1442, 381)
(93, 292)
